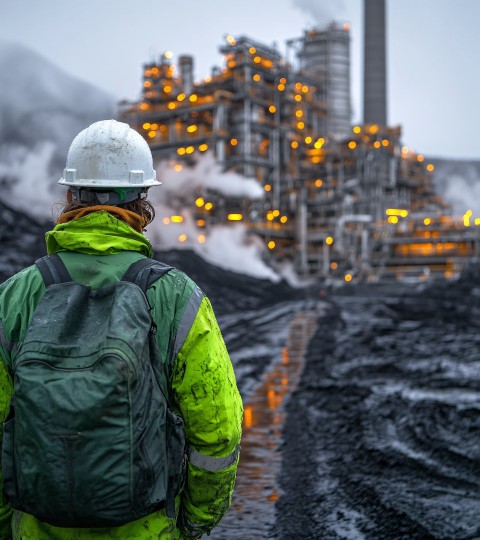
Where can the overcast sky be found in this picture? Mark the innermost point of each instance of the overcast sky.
(433, 50)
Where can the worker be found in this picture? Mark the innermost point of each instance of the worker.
(101, 441)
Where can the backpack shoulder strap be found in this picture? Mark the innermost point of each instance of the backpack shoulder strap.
(145, 272)
(53, 270)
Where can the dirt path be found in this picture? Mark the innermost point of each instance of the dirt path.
(252, 515)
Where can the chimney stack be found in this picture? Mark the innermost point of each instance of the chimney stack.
(375, 69)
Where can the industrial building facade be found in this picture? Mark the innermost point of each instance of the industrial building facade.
(339, 201)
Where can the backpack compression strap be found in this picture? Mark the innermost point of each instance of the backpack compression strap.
(53, 270)
(145, 272)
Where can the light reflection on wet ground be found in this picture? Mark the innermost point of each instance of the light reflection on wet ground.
(252, 514)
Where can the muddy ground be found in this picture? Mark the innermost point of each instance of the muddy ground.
(382, 438)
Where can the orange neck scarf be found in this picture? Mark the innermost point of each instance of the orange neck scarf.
(127, 216)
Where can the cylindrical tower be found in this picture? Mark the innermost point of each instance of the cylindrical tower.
(326, 53)
(186, 72)
(375, 69)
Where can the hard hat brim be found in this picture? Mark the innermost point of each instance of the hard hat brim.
(104, 183)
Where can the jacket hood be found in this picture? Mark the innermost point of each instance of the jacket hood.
(98, 233)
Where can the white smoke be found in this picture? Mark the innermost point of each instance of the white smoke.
(41, 110)
(458, 182)
(321, 11)
(206, 174)
(227, 246)
(25, 176)
(463, 196)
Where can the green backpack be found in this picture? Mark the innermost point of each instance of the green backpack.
(91, 440)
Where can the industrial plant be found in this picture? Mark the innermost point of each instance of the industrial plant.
(341, 202)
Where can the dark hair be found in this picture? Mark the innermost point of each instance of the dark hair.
(142, 207)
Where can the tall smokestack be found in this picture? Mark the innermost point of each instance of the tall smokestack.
(375, 70)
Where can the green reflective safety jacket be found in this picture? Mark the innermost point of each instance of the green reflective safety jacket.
(97, 249)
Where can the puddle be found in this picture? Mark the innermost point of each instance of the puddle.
(252, 514)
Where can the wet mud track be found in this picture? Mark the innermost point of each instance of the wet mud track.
(382, 438)
(252, 514)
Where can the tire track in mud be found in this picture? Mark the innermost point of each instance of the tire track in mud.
(252, 515)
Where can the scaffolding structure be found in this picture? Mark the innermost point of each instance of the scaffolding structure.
(339, 202)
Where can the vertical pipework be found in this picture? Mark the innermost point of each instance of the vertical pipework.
(186, 72)
(375, 70)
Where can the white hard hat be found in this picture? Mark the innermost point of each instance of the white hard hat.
(108, 155)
